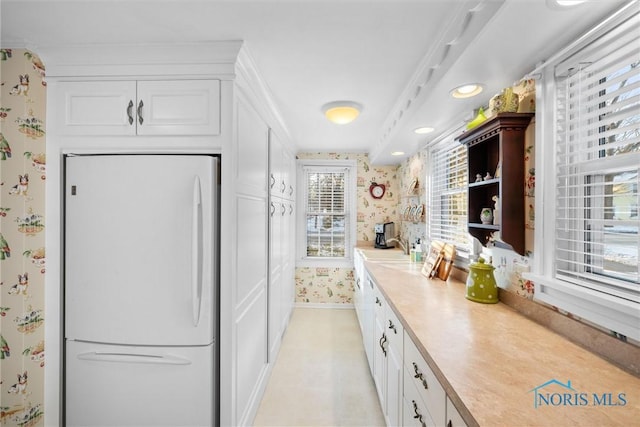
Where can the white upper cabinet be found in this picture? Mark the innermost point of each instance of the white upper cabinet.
(145, 107)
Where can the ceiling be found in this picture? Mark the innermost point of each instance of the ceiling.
(398, 58)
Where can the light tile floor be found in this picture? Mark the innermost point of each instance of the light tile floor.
(321, 376)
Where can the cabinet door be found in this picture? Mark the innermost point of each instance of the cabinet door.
(286, 251)
(394, 386)
(277, 185)
(180, 107)
(379, 361)
(94, 108)
(368, 319)
(395, 337)
(454, 419)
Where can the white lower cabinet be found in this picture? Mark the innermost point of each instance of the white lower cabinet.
(387, 358)
(395, 338)
(408, 390)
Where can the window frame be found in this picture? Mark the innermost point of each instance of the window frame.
(302, 260)
(613, 313)
(448, 143)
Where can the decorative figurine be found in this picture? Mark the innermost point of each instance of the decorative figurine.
(478, 177)
(487, 176)
(496, 210)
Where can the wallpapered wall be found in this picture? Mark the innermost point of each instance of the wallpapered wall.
(22, 256)
(335, 285)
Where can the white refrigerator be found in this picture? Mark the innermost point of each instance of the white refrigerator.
(141, 290)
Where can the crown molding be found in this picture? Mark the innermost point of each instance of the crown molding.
(141, 59)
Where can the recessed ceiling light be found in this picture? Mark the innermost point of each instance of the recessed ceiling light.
(341, 112)
(467, 90)
(397, 153)
(423, 130)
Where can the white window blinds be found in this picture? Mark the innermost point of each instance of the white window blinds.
(598, 163)
(326, 209)
(448, 195)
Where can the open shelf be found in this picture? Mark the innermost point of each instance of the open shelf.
(497, 147)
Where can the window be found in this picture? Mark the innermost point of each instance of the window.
(328, 232)
(448, 194)
(593, 176)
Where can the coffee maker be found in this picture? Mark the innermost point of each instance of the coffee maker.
(384, 232)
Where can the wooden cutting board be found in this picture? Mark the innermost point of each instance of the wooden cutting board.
(439, 260)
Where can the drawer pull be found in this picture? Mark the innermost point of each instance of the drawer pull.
(419, 376)
(393, 327)
(378, 301)
(272, 180)
(418, 415)
(449, 423)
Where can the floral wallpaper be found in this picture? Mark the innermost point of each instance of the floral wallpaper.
(336, 285)
(22, 254)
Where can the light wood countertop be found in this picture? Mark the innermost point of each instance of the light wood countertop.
(490, 359)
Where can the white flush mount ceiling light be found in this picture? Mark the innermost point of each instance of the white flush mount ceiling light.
(423, 130)
(563, 4)
(397, 153)
(467, 90)
(341, 112)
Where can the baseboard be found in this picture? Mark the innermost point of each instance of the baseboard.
(323, 305)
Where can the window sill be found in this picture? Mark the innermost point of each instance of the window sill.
(615, 314)
(328, 262)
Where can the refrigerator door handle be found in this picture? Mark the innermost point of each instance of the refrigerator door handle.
(99, 356)
(196, 252)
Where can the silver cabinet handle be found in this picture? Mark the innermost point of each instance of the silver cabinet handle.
(284, 209)
(139, 111)
(273, 209)
(130, 112)
(290, 209)
(273, 180)
(284, 187)
(290, 190)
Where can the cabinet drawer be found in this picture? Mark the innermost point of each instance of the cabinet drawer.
(414, 409)
(394, 330)
(422, 378)
(378, 303)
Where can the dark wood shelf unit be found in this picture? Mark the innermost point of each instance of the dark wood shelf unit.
(499, 140)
